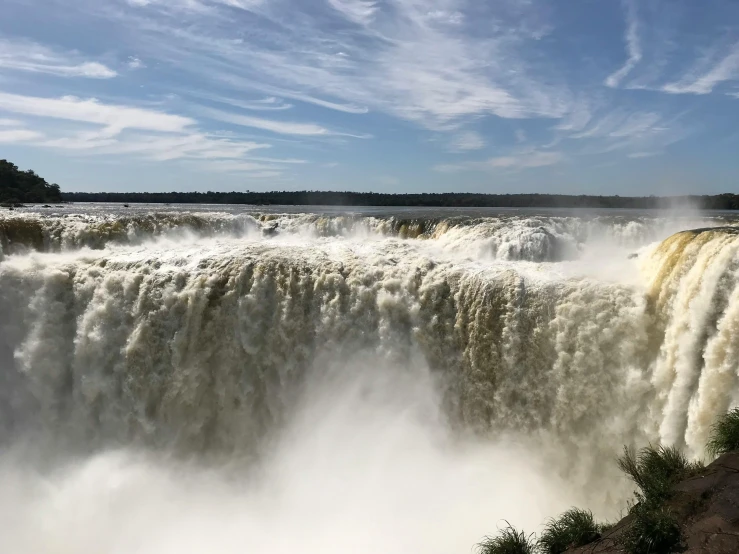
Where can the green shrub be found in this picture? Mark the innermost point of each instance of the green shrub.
(653, 530)
(508, 541)
(656, 469)
(573, 528)
(724, 434)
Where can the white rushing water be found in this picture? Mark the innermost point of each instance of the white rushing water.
(244, 381)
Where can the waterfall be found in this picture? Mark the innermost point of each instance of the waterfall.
(202, 337)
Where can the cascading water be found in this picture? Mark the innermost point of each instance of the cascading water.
(231, 381)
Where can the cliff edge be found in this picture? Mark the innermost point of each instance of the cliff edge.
(706, 506)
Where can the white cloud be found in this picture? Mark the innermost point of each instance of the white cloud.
(526, 160)
(466, 141)
(126, 131)
(619, 129)
(703, 82)
(576, 119)
(300, 97)
(113, 117)
(159, 147)
(446, 17)
(239, 166)
(637, 155)
(242, 4)
(358, 11)
(280, 127)
(346, 108)
(34, 58)
(135, 63)
(274, 126)
(441, 64)
(633, 46)
(522, 160)
(621, 124)
(262, 104)
(18, 135)
(638, 124)
(287, 161)
(10, 123)
(403, 63)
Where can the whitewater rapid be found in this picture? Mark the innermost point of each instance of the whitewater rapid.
(236, 373)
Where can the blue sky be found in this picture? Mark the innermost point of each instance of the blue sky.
(571, 96)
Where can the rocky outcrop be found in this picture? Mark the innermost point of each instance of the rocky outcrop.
(707, 507)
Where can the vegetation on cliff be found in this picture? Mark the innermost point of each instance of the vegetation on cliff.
(725, 435)
(575, 527)
(679, 506)
(18, 187)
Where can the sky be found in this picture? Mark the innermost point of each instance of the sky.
(630, 97)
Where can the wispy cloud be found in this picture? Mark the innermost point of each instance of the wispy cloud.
(633, 46)
(157, 147)
(576, 119)
(702, 81)
(306, 74)
(516, 161)
(18, 135)
(135, 63)
(32, 57)
(622, 125)
(346, 108)
(125, 131)
(630, 131)
(466, 141)
(114, 118)
(358, 11)
(285, 161)
(273, 126)
(526, 160)
(399, 61)
(267, 104)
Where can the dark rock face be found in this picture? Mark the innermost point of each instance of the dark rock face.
(707, 507)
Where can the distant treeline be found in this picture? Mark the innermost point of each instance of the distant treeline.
(452, 199)
(17, 187)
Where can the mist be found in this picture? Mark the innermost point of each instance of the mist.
(367, 464)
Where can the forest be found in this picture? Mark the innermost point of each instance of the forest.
(450, 199)
(25, 187)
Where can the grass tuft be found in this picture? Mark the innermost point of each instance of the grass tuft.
(573, 528)
(724, 434)
(653, 530)
(656, 469)
(508, 541)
